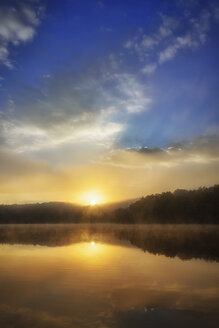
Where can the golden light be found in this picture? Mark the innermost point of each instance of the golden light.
(92, 198)
(91, 251)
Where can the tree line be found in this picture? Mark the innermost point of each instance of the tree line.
(181, 206)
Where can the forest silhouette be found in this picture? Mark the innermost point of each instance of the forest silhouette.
(182, 206)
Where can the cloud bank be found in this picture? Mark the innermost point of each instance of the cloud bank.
(117, 175)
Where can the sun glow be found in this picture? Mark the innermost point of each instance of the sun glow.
(92, 198)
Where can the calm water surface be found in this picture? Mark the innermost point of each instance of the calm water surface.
(109, 276)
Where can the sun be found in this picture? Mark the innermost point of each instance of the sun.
(92, 197)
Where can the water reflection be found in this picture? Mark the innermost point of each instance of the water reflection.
(184, 241)
(101, 280)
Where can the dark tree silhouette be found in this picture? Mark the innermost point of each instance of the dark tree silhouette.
(181, 206)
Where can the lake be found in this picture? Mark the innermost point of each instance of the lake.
(66, 276)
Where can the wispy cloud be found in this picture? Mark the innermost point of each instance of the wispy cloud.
(26, 138)
(149, 69)
(145, 44)
(129, 94)
(17, 25)
(72, 108)
(195, 36)
(170, 37)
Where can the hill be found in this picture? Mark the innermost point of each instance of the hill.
(181, 206)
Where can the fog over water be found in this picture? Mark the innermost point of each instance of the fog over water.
(109, 276)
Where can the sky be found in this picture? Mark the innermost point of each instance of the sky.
(107, 100)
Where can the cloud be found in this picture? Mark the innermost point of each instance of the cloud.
(46, 76)
(148, 42)
(168, 53)
(203, 149)
(14, 165)
(149, 69)
(194, 37)
(169, 24)
(129, 94)
(28, 138)
(113, 62)
(70, 108)
(19, 175)
(144, 44)
(119, 174)
(57, 108)
(171, 36)
(17, 25)
(66, 107)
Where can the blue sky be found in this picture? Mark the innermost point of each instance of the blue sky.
(84, 82)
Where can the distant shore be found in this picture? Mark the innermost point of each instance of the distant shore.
(199, 206)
